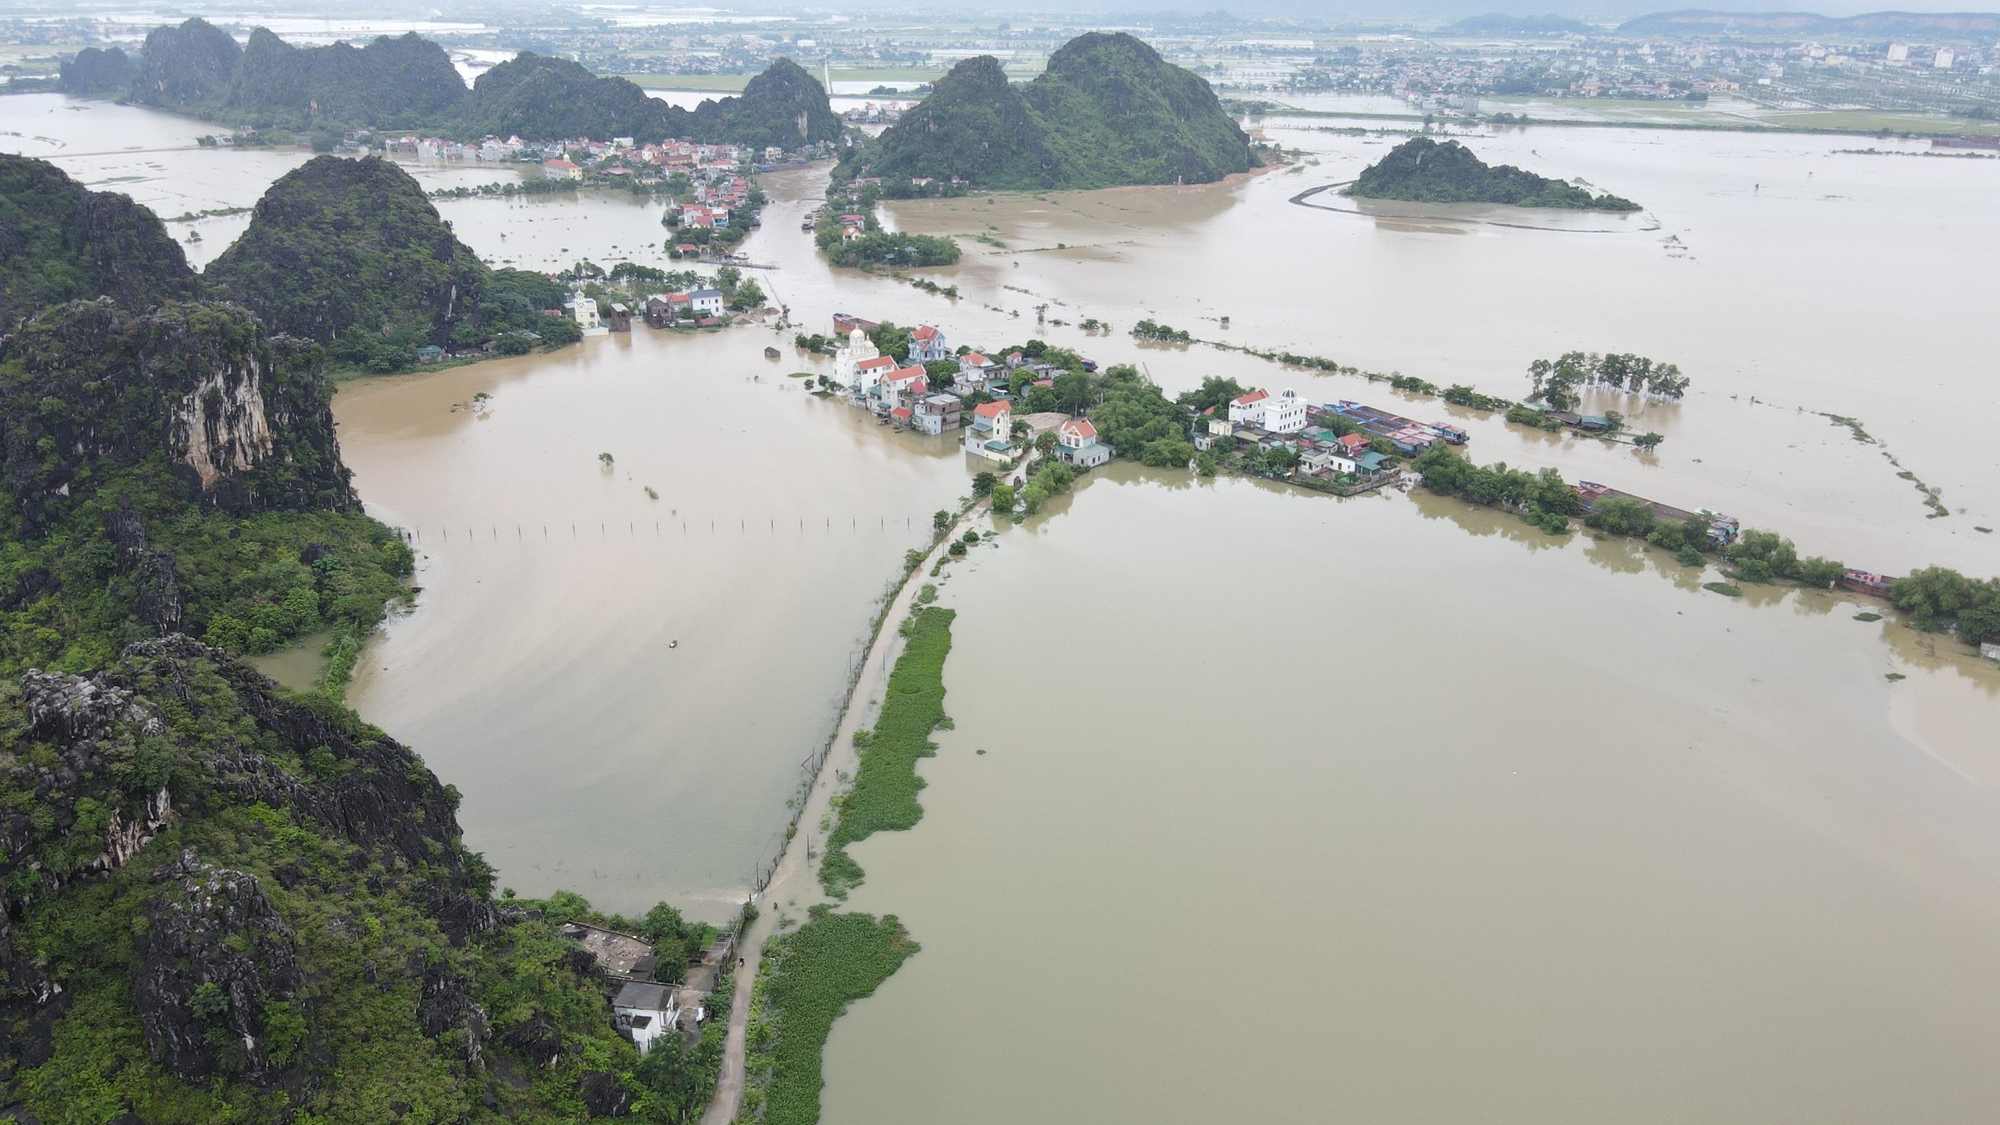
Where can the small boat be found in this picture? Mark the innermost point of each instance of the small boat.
(673, 644)
(770, 353)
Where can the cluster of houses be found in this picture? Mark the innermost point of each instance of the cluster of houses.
(905, 393)
(619, 156)
(1268, 421)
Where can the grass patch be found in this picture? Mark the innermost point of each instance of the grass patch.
(1723, 588)
(1892, 677)
(1868, 617)
(884, 797)
(807, 979)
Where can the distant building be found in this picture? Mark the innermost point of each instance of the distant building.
(1284, 413)
(938, 413)
(1248, 407)
(583, 310)
(847, 360)
(927, 344)
(990, 433)
(1077, 444)
(705, 302)
(561, 170)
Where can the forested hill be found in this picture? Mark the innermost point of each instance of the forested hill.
(1107, 110)
(222, 903)
(409, 83)
(390, 83)
(351, 254)
(1427, 171)
(59, 241)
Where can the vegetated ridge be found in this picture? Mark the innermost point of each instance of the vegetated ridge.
(1108, 110)
(408, 82)
(351, 254)
(59, 241)
(220, 902)
(1428, 171)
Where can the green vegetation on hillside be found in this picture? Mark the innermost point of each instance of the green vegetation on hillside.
(351, 254)
(806, 981)
(1106, 111)
(221, 903)
(408, 82)
(96, 71)
(61, 242)
(1427, 171)
(884, 796)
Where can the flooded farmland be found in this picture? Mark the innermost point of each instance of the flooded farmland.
(1384, 809)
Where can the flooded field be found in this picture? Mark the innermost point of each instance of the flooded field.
(623, 687)
(1277, 808)
(1387, 809)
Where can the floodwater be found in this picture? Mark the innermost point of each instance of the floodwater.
(623, 687)
(1386, 809)
(1267, 807)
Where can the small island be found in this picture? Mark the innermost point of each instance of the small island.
(1422, 170)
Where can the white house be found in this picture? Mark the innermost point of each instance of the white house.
(583, 310)
(645, 1011)
(706, 302)
(1077, 444)
(1322, 460)
(902, 388)
(561, 170)
(1284, 413)
(1248, 408)
(849, 356)
(927, 344)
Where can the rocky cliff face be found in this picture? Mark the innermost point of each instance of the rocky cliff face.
(185, 67)
(96, 72)
(62, 242)
(406, 80)
(197, 390)
(103, 764)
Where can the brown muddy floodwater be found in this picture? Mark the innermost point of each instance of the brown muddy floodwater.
(1381, 810)
(1388, 810)
(623, 687)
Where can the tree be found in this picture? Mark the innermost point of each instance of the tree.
(1622, 515)
(940, 520)
(1003, 497)
(982, 484)
(682, 1075)
(1649, 441)
(749, 295)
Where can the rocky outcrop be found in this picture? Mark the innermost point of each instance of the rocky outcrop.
(604, 1095)
(96, 72)
(60, 241)
(185, 67)
(213, 956)
(196, 391)
(101, 770)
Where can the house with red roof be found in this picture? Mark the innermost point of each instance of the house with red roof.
(1078, 446)
(1249, 407)
(990, 434)
(927, 344)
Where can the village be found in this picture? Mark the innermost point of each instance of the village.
(935, 389)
